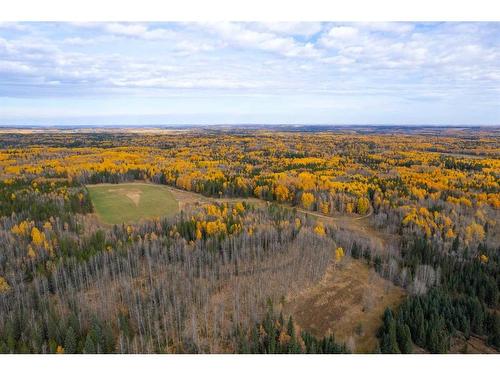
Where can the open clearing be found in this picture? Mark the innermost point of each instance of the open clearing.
(131, 202)
(349, 302)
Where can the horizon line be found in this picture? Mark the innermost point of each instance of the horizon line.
(243, 125)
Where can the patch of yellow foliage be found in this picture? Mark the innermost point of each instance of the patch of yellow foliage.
(4, 286)
(319, 229)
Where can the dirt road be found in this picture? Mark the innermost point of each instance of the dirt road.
(360, 226)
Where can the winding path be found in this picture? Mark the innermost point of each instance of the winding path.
(359, 225)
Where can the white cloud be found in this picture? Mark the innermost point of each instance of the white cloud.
(401, 51)
(189, 83)
(14, 26)
(342, 59)
(390, 27)
(343, 32)
(243, 35)
(340, 36)
(77, 41)
(306, 29)
(138, 31)
(15, 67)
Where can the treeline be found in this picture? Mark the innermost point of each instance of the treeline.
(40, 199)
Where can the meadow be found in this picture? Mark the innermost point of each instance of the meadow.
(129, 203)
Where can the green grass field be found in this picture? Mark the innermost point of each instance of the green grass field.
(131, 202)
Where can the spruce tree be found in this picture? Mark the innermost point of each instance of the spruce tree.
(70, 341)
(89, 347)
(389, 344)
(404, 338)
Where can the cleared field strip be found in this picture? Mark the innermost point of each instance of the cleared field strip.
(131, 202)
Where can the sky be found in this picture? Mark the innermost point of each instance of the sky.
(249, 73)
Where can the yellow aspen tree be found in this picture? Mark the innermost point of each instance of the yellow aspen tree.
(319, 229)
(297, 223)
(31, 252)
(339, 254)
(306, 181)
(363, 205)
(4, 286)
(47, 225)
(239, 207)
(282, 193)
(307, 200)
(37, 237)
(474, 233)
(21, 229)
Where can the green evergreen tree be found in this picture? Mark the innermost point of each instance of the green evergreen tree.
(4, 349)
(70, 342)
(389, 342)
(290, 328)
(89, 347)
(97, 337)
(52, 346)
(494, 330)
(420, 327)
(108, 339)
(404, 338)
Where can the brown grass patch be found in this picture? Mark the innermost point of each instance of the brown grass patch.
(133, 195)
(187, 198)
(349, 302)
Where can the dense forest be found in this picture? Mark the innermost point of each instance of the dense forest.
(214, 278)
